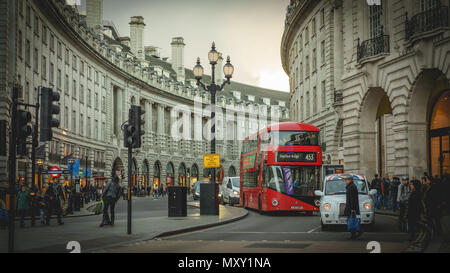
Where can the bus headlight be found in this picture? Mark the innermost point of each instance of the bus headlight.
(235, 193)
(367, 206)
(327, 206)
(274, 202)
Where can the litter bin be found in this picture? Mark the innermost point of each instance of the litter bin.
(177, 201)
(209, 199)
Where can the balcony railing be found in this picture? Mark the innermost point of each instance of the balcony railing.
(373, 47)
(426, 21)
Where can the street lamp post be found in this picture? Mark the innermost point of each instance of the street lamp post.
(228, 69)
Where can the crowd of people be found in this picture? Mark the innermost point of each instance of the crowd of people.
(421, 204)
(156, 191)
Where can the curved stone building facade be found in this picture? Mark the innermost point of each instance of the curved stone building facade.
(386, 69)
(100, 74)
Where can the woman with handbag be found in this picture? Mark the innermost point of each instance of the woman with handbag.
(352, 208)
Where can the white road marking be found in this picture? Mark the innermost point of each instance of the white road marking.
(314, 229)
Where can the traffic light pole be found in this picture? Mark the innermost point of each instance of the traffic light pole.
(12, 170)
(130, 155)
(33, 151)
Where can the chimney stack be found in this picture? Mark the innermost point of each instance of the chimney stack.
(94, 14)
(178, 57)
(137, 36)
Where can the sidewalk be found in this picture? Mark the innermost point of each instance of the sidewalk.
(53, 239)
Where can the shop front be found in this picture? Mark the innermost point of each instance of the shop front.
(170, 174)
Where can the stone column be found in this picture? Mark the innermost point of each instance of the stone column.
(160, 127)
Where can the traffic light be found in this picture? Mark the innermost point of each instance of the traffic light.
(23, 131)
(47, 110)
(128, 133)
(139, 123)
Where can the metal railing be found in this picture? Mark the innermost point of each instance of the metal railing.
(373, 47)
(426, 21)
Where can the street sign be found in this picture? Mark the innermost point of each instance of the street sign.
(56, 170)
(211, 161)
(76, 167)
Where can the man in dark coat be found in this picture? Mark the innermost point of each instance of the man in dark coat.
(352, 203)
(54, 195)
(110, 196)
(376, 184)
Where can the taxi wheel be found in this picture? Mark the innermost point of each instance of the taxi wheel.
(324, 227)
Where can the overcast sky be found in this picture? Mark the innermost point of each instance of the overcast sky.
(248, 30)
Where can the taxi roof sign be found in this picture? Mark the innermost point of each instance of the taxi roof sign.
(211, 161)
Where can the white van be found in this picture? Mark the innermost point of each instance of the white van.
(230, 190)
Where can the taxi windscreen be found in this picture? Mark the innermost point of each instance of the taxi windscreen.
(337, 186)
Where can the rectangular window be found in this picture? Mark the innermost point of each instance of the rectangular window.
(314, 60)
(44, 67)
(52, 73)
(59, 79)
(27, 52)
(67, 57)
(96, 76)
(82, 68)
(103, 104)
(74, 91)
(28, 16)
(66, 85)
(89, 97)
(314, 100)
(96, 101)
(322, 52)
(306, 35)
(19, 44)
(74, 62)
(89, 72)
(324, 94)
(300, 74)
(21, 7)
(66, 117)
(300, 42)
(375, 20)
(81, 125)
(52, 42)
(74, 121)
(81, 93)
(36, 60)
(313, 30)
(59, 53)
(96, 130)
(322, 17)
(307, 66)
(44, 35)
(88, 128)
(36, 25)
(103, 135)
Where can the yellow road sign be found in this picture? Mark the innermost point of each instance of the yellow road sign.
(211, 161)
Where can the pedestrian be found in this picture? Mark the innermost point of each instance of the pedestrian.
(3, 215)
(416, 208)
(34, 206)
(432, 197)
(55, 196)
(386, 192)
(352, 204)
(110, 196)
(22, 201)
(394, 191)
(160, 191)
(42, 203)
(93, 190)
(156, 191)
(402, 199)
(376, 184)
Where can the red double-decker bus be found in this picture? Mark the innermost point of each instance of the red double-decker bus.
(280, 168)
